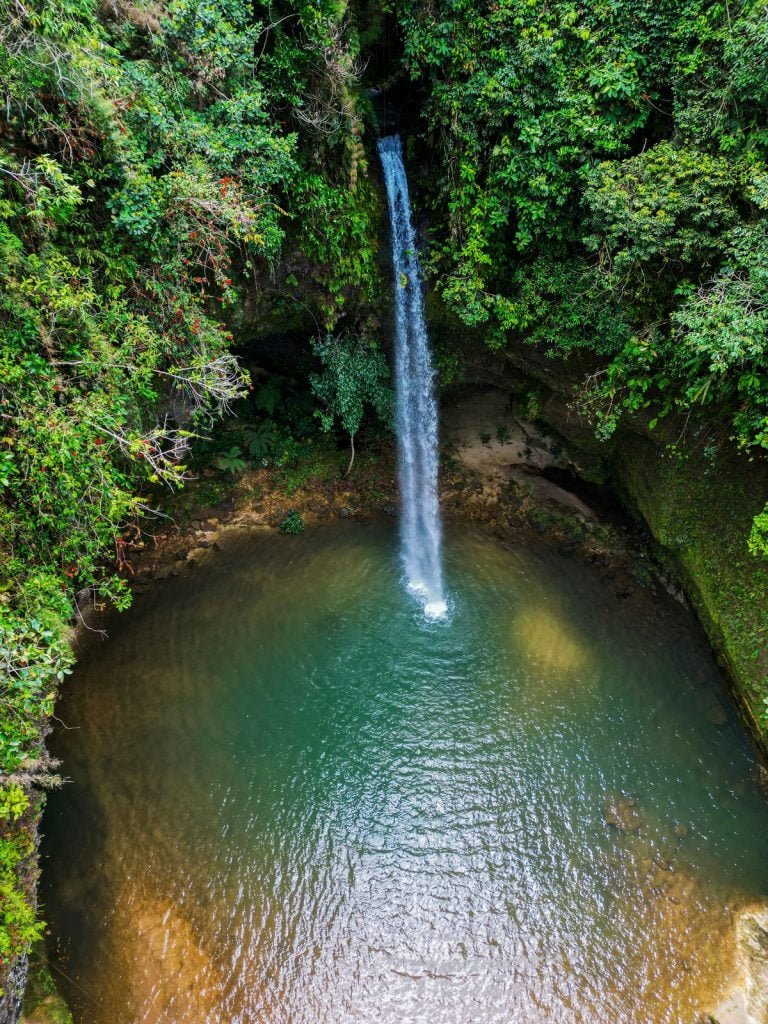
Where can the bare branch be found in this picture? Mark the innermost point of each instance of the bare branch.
(218, 381)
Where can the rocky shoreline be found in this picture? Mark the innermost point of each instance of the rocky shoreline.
(502, 486)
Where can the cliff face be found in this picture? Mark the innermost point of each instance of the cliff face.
(697, 502)
(699, 507)
(14, 983)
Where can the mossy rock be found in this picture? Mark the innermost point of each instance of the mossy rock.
(42, 1002)
(50, 1010)
(700, 511)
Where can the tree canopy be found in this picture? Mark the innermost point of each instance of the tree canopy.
(598, 182)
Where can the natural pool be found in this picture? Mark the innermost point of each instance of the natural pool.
(295, 801)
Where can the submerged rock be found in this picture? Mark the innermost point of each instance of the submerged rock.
(155, 931)
(621, 811)
(716, 714)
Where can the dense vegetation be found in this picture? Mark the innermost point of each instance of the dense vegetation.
(597, 183)
(601, 172)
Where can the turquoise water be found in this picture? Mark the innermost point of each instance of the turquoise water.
(294, 800)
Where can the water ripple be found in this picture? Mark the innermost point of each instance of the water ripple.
(305, 805)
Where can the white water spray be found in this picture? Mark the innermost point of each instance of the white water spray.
(416, 403)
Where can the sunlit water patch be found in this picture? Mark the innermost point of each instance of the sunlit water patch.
(296, 800)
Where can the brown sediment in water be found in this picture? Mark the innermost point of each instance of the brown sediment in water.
(699, 963)
(550, 642)
(698, 936)
(171, 978)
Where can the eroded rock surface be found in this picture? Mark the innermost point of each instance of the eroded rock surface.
(752, 953)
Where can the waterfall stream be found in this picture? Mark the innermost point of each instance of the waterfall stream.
(421, 533)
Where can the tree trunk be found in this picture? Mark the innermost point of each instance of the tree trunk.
(352, 456)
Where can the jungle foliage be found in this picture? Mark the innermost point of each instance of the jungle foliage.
(598, 182)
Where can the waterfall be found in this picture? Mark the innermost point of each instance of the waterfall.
(416, 404)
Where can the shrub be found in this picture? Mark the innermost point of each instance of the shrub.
(231, 461)
(293, 522)
(262, 440)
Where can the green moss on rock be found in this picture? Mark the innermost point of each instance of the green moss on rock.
(699, 506)
(42, 1002)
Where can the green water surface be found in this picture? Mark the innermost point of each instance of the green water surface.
(293, 800)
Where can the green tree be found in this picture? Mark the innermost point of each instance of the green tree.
(354, 375)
